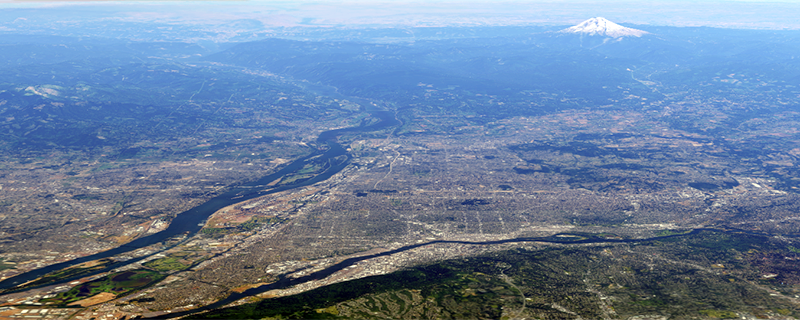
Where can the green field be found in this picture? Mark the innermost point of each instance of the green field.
(166, 264)
(4, 266)
(118, 283)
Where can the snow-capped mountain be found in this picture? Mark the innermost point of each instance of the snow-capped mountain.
(602, 27)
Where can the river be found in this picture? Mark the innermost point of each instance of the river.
(189, 222)
(562, 238)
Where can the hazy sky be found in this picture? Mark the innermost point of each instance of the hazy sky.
(723, 13)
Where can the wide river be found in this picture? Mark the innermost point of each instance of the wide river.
(189, 222)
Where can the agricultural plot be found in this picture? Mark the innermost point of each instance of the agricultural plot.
(117, 284)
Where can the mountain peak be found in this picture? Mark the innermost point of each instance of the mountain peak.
(602, 27)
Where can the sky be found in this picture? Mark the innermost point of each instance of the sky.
(746, 14)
